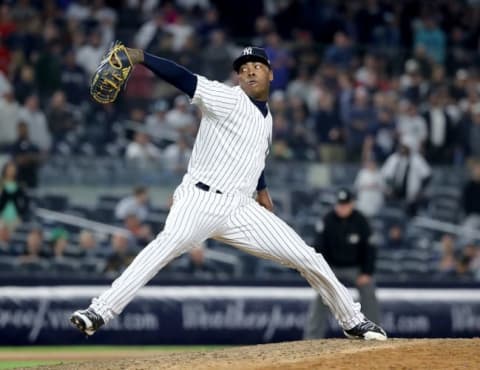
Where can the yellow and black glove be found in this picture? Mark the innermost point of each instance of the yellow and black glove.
(112, 74)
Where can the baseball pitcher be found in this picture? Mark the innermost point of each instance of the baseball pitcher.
(215, 198)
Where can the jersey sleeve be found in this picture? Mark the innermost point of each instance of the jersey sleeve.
(262, 183)
(214, 98)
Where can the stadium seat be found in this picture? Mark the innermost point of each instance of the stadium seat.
(64, 265)
(40, 265)
(8, 264)
(92, 265)
(54, 202)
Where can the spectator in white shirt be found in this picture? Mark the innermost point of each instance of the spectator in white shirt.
(181, 31)
(106, 18)
(90, 55)
(369, 186)
(407, 174)
(135, 204)
(36, 121)
(9, 117)
(142, 151)
(149, 30)
(180, 117)
(176, 156)
(412, 125)
(157, 126)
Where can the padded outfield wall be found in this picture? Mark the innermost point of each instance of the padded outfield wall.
(223, 315)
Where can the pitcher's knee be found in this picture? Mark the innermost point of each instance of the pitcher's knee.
(177, 242)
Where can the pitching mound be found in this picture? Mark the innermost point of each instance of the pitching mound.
(318, 354)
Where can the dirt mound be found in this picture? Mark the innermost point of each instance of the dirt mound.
(313, 354)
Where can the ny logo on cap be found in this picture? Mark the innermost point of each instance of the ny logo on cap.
(247, 51)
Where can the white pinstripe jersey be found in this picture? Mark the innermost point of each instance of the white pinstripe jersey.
(233, 139)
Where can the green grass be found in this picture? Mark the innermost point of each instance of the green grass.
(16, 364)
(34, 349)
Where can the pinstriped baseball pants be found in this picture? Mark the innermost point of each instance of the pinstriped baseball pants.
(240, 221)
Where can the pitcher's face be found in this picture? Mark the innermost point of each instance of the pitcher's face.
(254, 78)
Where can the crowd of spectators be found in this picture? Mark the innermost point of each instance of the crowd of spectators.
(391, 86)
(351, 79)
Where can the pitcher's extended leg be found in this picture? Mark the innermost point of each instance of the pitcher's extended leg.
(258, 231)
(187, 224)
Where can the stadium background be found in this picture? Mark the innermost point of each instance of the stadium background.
(353, 80)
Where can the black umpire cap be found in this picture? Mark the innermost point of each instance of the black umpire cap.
(344, 196)
(251, 54)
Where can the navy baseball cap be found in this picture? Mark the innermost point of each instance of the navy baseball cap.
(344, 196)
(251, 54)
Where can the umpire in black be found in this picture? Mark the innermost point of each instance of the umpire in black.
(344, 243)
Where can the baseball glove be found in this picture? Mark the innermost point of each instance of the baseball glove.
(112, 74)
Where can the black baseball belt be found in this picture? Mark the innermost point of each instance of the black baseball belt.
(206, 187)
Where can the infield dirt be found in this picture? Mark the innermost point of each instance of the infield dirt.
(313, 354)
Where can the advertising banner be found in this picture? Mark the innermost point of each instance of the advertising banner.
(222, 315)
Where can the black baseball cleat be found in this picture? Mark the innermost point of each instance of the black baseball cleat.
(87, 321)
(367, 330)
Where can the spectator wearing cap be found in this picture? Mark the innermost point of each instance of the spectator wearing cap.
(345, 244)
(407, 174)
